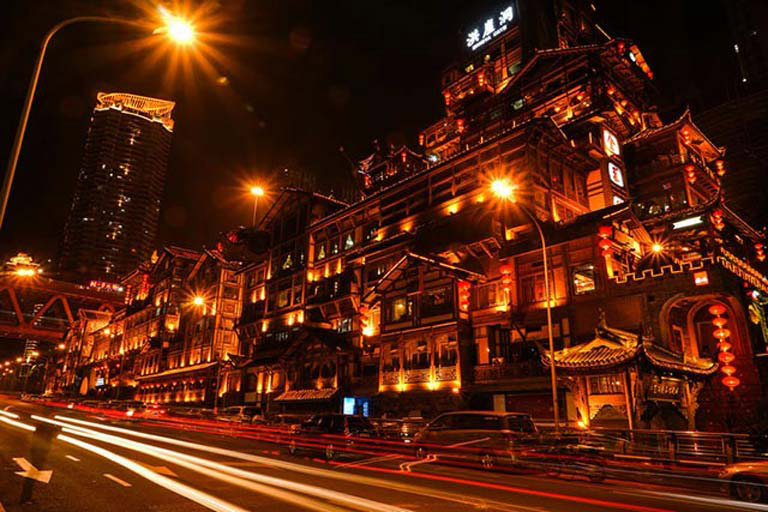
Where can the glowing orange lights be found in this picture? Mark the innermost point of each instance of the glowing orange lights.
(503, 189)
(257, 191)
(717, 219)
(701, 278)
(720, 167)
(605, 232)
(460, 126)
(657, 248)
(760, 252)
(726, 357)
(690, 171)
(198, 300)
(464, 293)
(178, 30)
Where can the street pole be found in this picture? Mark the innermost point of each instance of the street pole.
(255, 206)
(13, 160)
(218, 385)
(553, 371)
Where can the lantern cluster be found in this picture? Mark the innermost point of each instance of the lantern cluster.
(605, 244)
(460, 127)
(725, 356)
(717, 219)
(506, 278)
(365, 321)
(759, 252)
(447, 98)
(720, 167)
(481, 79)
(690, 172)
(464, 295)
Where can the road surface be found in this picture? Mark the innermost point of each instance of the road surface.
(75, 461)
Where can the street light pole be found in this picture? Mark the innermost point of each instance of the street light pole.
(548, 294)
(256, 192)
(13, 160)
(505, 190)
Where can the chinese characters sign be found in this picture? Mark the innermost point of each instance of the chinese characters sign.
(616, 174)
(610, 143)
(491, 28)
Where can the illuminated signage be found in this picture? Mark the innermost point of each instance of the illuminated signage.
(616, 174)
(105, 286)
(618, 199)
(100, 381)
(492, 27)
(701, 278)
(610, 143)
(687, 223)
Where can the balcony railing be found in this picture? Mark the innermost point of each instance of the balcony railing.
(493, 372)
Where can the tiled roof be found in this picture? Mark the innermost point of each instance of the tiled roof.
(296, 395)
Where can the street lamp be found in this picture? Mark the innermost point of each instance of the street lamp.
(198, 300)
(256, 192)
(176, 29)
(505, 190)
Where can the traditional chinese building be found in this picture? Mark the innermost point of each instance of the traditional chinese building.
(429, 294)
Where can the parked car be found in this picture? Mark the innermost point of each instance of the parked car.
(747, 481)
(486, 437)
(239, 414)
(286, 422)
(332, 434)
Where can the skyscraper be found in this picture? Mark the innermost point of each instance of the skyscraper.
(115, 210)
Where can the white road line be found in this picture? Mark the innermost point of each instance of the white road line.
(73, 458)
(406, 466)
(372, 460)
(115, 479)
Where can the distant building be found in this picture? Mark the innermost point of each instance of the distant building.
(116, 206)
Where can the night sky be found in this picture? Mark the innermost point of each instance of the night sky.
(302, 79)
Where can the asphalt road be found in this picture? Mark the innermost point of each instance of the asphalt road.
(103, 464)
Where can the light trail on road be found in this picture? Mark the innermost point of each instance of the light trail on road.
(374, 482)
(268, 485)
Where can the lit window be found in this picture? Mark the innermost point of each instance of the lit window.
(349, 242)
(400, 309)
(321, 252)
(584, 279)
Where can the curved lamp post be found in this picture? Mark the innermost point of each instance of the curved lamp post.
(502, 189)
(176, 29)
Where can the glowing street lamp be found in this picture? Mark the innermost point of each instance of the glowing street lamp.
(256, 192)
(503, 189)
(19, 359)
(177, 30)
(198, 300)
(657, 248)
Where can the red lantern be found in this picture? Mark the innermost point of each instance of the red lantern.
(604, 244)
(719, 321)
(720, 167)
(724, 346)
(722, 333)
(716, 309)
(481, 79)
(726, 357)
(447, 96)
(605, 231)
(728, 369)
(460, 126)
(731, 382)
(505, 269)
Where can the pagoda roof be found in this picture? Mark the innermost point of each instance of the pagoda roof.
(286, 193)
(684, 119)
(611, 348)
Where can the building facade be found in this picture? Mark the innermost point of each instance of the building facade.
(115, 211)
(429, 294)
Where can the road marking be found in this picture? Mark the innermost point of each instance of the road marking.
(73, 458)
(30, 471)
(406, 466)
(161, 470)
(115, 479)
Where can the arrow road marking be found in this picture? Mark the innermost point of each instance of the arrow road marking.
(30, 471)
(161, 470)
(115, 479)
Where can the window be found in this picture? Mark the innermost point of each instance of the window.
(371, 231)
(498, 344)
(335, 246)
(345, 325)
(391, 361)
(400, 309)
(283, 298)
(321, 251)
(533, 289)
(438, 301)
(349, 241)
(477, 422)
(583, 278)
(418, 356)
(606, 385)
(447, 354)
(287, 262)
(489, 295)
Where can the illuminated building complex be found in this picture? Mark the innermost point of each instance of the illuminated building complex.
(115, 210)
(429, 293)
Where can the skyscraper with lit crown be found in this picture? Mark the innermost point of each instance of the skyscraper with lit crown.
(116, 206)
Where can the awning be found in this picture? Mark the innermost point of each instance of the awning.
(177, 371)
(305, 395)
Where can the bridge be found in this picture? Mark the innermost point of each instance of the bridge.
(40, 308)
